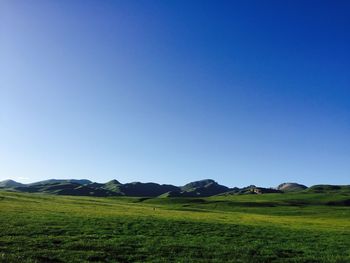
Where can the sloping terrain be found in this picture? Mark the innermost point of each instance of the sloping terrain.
(291, 227)
(201, 188)
(251, 189)
(291, 187)
(326, 188)
(56, 181)
(10, 184)
(64, 188)
(115, 188)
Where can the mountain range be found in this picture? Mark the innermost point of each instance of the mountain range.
(84, 187)
(202, 188)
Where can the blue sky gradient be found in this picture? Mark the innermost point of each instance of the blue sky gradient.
(243, 92)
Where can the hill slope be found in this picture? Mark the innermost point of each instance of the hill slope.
(65, 188)
(236, 228)
(10, 184)
(201, 188)
(55, 181)
(291, 187)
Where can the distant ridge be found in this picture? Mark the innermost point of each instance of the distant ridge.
(54, 181)
(10, 183)
(291, 187)
(252, 189)
(201, 188)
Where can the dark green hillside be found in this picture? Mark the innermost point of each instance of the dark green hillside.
(202, 188)
(65, 188)
(204, 184)
(251, 189)
(113, 186)
(325, 188)
(146, 189)
(137, 188)
(10, 184)
(56, 181)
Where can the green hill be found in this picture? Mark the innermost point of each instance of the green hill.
(64, 188)
(326, 188)
(10, 184)
(291, 187)
(113, 186)
(201, 188)
(289, 227)
(251, 189)
(56, 181)
(146, 189)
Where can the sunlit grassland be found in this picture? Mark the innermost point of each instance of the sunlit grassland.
(246, 228)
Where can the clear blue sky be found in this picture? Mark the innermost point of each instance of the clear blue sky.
(243, 92)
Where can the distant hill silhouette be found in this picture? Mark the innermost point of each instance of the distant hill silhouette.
(54, 181)
(201, 188)
(10, 184)
(146, 189)
(291, 187)
(326, 188)
(113, 186)
(64, 188)
(251, 189)
(204, 188)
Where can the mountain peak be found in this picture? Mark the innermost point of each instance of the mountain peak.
(199, 183)
(206, 187)
(10, 183)
(114, 181)
(56, 181)
(202, 188)
(291, 187)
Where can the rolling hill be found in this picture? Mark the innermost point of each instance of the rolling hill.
(291, 187)
(201, 188)
(10, 184)
(288, 227)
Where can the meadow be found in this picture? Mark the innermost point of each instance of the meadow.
(294, 227)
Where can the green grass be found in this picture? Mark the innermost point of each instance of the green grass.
(296, 227)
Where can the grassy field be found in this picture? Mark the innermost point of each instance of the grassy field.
(308, 227)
